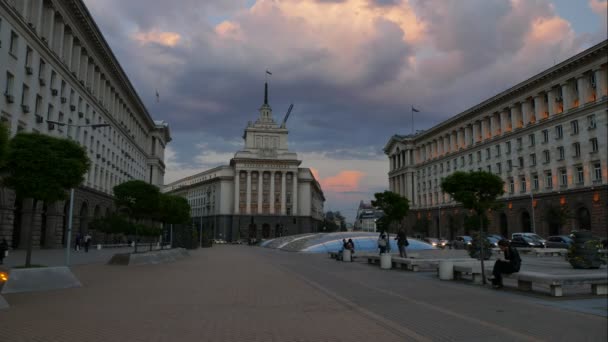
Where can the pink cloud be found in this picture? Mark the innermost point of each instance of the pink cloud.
(345, 181)
(158, 37)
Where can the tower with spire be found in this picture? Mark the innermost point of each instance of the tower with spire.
(264, 138)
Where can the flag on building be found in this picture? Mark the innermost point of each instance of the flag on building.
(415, 110)
(268, 72)
(157, 97)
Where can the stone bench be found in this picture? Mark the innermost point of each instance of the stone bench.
(473, 268)
(411, 263)
(525, 279)
(549, 251)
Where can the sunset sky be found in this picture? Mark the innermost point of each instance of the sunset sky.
(352, 68)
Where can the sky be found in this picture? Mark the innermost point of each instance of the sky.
(352, 69)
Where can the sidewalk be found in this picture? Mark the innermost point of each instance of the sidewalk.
(242, 293)
(57, 257)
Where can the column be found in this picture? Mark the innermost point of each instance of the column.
(49, 24)
(397, 184)
(467, 135)
(283, 193)
(446, 144)
(517, 121)
(58, 38)
(454, 140)
(237, 190)
(601, 82)
(68, 42)
(404, 187)
(75, 62)
(526, 108)
(294, 194)
(36, 15)
(551, 101)
(567, 95)
(248, 196)
(584, 89)
(260, 184)
(272, 192)
(505, 123)
(540, 107)
(485, 132)
(494, 127)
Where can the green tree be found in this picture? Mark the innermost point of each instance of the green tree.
(173, 210)
(476, 190)
(113, 224)
(139, 199)
(3, 143)
(394, 206)
(42, 167)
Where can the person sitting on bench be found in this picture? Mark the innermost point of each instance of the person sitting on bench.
(511, 264)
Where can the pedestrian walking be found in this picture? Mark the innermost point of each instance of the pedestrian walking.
(87, 242)
(350, 245)
(511, 264)
(3, 250)
(77, 242)
(402, 243)
(382, 243)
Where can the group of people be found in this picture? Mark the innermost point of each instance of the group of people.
(384, 243)
(81, 241)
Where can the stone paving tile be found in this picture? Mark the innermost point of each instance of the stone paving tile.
(242, 293)
(220, 294)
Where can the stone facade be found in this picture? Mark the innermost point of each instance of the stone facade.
(547, 137)
(59, 77)
(262, 193)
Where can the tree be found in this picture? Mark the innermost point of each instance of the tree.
(329, 222)
(139, 199)
(173, 210)
(3, 142)
(477, 191)
(42, 167)
(113, 224)
(394, 206)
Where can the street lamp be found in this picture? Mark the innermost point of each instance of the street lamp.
(71, 210)
(532, 205)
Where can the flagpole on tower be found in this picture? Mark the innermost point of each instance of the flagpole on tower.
(412, 109)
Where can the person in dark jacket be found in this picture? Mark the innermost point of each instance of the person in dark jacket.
(3, 249)
(402, 243)
(511, 264)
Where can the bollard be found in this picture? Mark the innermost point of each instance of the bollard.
(98, 246)
(346, 255)
(446, 270)
(386, 262)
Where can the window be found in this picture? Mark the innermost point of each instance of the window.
(488, 153)
(462, 161)
(532, 140)
(580, 175)
(470, 158)
(591, 121)
(594, 145)
(8, 90)
(28, 60)
(519, 143)
(547, 156)
(53, 78)
(508, 145)
(561, 152)
(49, 113)
(523, 184)
(597, 172)
(563, 175)
(548, 179)
(478, 156)
(489, 168)
(25, 94)
(12, 49)
(62, 93)
(498, 150)
(38, 105)
(498, 168)
(559, 132)
(545, 136)
(41, 71)
(511, 185)
(509, 165)
(574, 127)
(520, 161)
(448, 166)
(576, 147)
(535, 182)
(533, 159)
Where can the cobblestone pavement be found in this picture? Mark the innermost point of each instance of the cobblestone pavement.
(241, 293)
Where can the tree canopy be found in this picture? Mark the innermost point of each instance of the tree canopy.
(43, 167)
(174, 209)
(140, 198)
(476, 190)
(3, 142)
(394, 206)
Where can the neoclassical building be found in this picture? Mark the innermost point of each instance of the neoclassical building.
(56, 66)
(547, 137)
(262, 193)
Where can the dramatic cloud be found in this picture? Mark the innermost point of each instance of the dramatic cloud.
(352, 68)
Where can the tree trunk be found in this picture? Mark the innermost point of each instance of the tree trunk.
(482, 242)
(30, 237)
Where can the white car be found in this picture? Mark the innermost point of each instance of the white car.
(531, 236)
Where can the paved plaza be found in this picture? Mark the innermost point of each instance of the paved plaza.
(242, 293)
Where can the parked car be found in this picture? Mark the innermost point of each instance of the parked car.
(559, 241)
(526, 241)
(444, 243)
(435, 242)
(498, 237)
(461, 242)
(530, 235)
(493, 241)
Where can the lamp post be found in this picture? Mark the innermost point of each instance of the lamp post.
(71, 210)
(532, 205)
